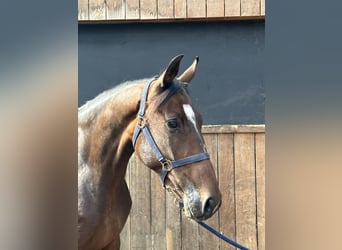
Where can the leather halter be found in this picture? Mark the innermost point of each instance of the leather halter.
(167, 164)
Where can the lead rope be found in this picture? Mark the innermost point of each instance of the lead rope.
(222, 237)
(218, 234)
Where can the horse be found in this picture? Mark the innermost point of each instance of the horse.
(155, 119)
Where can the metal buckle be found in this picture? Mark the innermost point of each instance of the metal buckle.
(166, 165)
(141, 122)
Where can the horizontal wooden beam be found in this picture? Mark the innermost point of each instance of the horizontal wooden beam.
(117, 21)
(169, 20)
(227, 129)
(119, 11)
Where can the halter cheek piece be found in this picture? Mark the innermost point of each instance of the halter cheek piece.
(167, 165)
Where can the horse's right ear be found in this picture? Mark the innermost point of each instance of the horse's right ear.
(171, 71)
(189, 73)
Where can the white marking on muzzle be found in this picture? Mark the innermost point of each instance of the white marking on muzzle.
(191, 201)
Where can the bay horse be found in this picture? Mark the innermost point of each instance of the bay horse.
(154, 119)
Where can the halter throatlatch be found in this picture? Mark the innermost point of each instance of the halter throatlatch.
(167, 165)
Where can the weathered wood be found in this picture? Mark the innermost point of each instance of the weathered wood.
(232, 8)
(196, 8)
(140, 213)
(215, 8)
(260, 186)
(148, 9)
(158, 212)
(190, 236)
(116, 9)
(226, 178)
(132, 9)
(173, 225)
(125, 237)
(207, 129)
(173, 10)
(250, 7)
(83, 10)
(180, 8)
(208, 240)
(97, 10)
(245, 190)
(165, 9)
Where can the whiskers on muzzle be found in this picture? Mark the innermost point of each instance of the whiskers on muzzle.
(197, 204)
(200, 207)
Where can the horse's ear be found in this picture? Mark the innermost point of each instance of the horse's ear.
(189, 73)
(171, 71)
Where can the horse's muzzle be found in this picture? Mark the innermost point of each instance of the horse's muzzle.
(199, 210)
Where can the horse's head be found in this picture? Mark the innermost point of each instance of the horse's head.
(168, 140)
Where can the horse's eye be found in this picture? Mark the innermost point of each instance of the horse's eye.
(172, 123)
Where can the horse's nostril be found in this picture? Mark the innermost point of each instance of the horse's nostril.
(209, 205)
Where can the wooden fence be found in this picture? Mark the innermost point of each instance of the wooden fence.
(166, 10)
(238, 156)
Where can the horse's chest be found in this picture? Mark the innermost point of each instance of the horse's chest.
(95, 223)
(101, 217)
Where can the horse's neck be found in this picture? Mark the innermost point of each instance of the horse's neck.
(107, 143)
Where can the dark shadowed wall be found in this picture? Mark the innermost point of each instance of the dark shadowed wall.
(228, 87)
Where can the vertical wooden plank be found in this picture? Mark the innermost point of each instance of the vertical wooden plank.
(208, 240)
(140, 213)
(250, 7)
(97, 10)
(245, 190)
(196, 8)
(215, 8)
(83, 13)
(227, 187)
(262, 7)
(190, 237)
(165, 9)
(148, 9)
(173, 225)
(260, 185)
(180, 8)
(115, 9)
(158, 211)
(132, 9)
(232, 8)
(125, 235)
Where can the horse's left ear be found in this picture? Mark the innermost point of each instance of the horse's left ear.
(171, 71)
(189, 73)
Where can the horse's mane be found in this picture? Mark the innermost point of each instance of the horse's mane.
(92, 107)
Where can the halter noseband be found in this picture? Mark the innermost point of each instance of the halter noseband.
(167, 165)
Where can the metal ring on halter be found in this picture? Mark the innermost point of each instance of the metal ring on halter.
(141, 123)
(166, 165)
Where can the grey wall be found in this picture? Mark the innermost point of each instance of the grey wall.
(228, 87)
